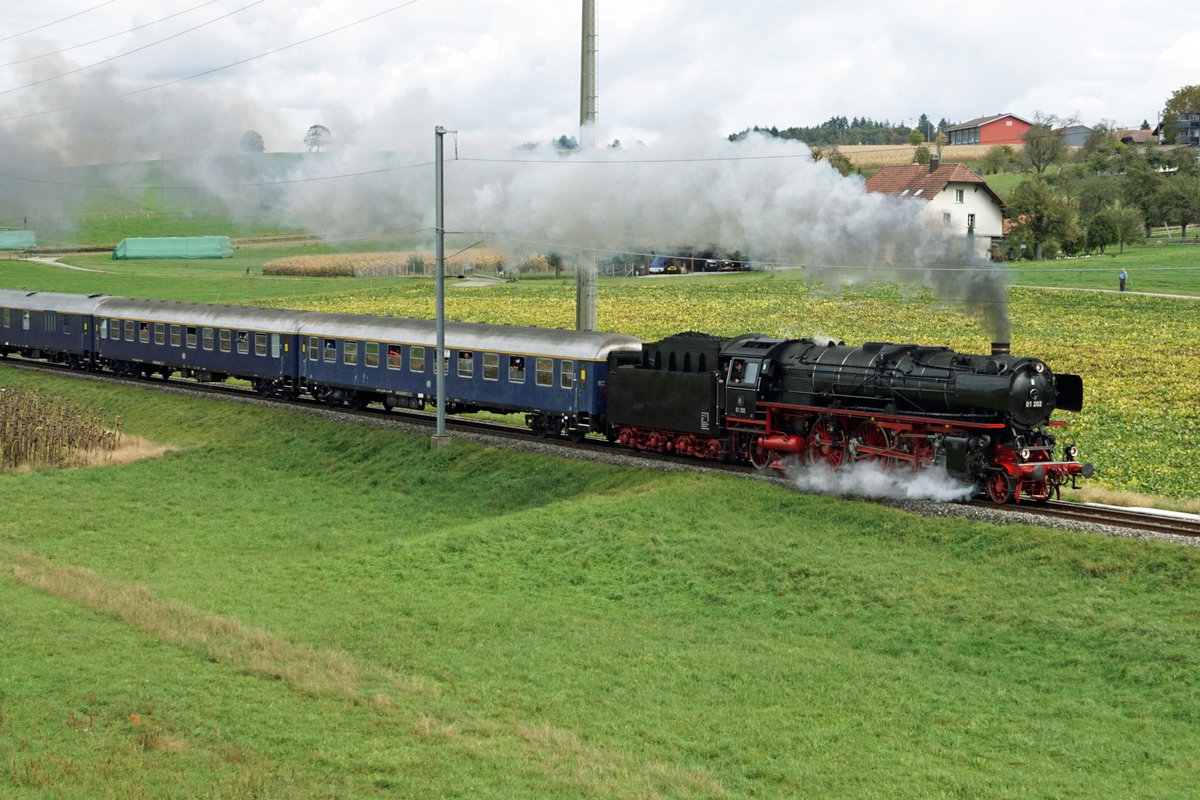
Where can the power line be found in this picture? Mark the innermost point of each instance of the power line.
(110, 36)
(131, 52)
(55, 22)
(207, 72)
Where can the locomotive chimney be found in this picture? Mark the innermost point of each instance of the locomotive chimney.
(1000, 348)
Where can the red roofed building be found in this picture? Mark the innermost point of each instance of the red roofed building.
(953, 194)
(997, 129)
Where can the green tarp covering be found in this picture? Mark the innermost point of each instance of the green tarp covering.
(17, 240)
(175, 247)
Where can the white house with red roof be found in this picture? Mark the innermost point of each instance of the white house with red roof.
(952, 194)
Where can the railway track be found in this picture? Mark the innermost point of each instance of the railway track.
(1087, 515)
(1149, 520)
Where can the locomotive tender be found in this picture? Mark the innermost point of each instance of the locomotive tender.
(754, 398)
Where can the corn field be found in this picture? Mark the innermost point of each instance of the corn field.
(379, 265)
(43, 432)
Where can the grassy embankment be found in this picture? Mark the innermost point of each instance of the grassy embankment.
(284, 607)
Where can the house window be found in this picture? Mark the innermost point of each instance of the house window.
(970, 222)
(958, 195)
(946, 218)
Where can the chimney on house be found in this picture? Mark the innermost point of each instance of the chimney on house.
(933, 162)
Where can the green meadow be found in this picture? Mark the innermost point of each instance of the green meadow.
(284, 607)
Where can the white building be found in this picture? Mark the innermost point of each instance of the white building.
(953, 194)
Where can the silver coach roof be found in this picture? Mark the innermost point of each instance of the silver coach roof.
(50, 301)
(585, 345)
(271, 320)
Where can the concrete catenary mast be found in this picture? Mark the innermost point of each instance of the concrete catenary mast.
(585, 280)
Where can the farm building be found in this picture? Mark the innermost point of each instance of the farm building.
(997, 129)
(174, 247)
(1074, 135)
(955, 195)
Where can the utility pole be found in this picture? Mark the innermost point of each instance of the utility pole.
(585, 269)
(440, 439)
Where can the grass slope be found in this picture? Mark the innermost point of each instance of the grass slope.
(285, 607)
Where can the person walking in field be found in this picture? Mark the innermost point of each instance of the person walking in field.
(1122, 278)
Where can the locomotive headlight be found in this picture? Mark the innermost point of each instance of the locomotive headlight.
(1038, 367)
(1072, 451)
(1024, 453)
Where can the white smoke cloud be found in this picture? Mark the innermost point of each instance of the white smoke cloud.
(869, 479)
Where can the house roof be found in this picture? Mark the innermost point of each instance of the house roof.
(1136, 136)
(979, 122)
(918, 180)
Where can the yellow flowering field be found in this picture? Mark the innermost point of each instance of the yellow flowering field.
(1139, 356)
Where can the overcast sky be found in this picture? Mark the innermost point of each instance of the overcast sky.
(505, 73)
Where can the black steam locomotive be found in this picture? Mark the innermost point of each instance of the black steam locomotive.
(986, 418)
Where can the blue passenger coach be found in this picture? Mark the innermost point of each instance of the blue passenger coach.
(198, 340)
(49, 325)
(557, 377)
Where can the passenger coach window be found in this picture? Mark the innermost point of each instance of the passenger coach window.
(103, 325)
(175, 338)
(516, 369)
(314, 348)
(160, 333)
(4, 318)
(567, 375)
(243, 342)
(371, 357)
(491, 367)
(331, 350)
(226, 340)
(260, 344)
(207, 338)
(49, 321)
(545, 372)
(129, 330)
(350, 353)
(395, 357)
(144, 333)
(466, 364)
(416, 359)
(190, 335)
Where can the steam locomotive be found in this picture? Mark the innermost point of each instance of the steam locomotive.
(985, 418)
(753, 398)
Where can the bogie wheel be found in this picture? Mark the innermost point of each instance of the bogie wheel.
(760, 457)
(1000, 487)
(575, 435)
(823, 446)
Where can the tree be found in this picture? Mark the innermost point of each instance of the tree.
(1041, 216)
(251, 142)
(565, 142)
(1043, 144)
(1129, 224)
(1102, 231)
(1184, 101)
(318, 136)
(921, 155)
(1000, 158)
(1139, 189)
(1179, 202)
(916, 137)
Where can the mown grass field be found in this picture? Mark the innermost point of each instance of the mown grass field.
(289, 608)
